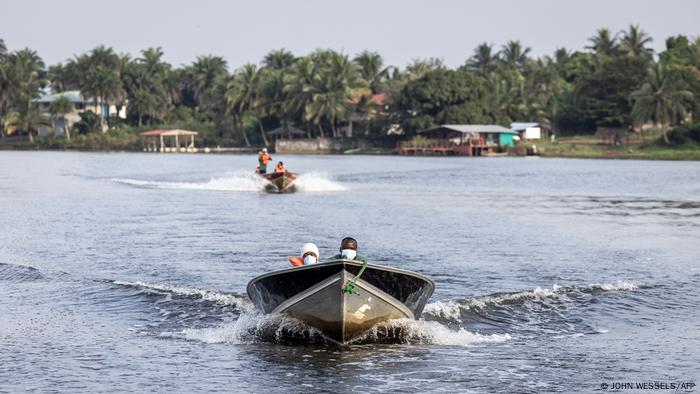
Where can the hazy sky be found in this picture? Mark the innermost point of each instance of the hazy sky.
(244, 31)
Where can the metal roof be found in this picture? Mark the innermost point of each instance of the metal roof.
(73, 95)
(471, 128)
(169, 132)
(521, 126)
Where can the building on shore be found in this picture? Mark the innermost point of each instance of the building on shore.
(465, 139)
(529, 130)
(169, 141)
(80, 105)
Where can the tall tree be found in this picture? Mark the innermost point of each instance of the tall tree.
(634, 42)
(298, 84)
(279, 59)
(483, 61)
(206, 70)
(420, 67)
(660, 101)
(371, 67)
(603, 43)
(243, 95)
(58, 109)
(514, 56)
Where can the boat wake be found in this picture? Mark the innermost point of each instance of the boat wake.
(238, 182)
(450, 310)
(210, 316)
(256, 328)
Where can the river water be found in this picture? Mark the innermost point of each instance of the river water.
(127, 272)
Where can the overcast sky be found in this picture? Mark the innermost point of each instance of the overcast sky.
(401, 30)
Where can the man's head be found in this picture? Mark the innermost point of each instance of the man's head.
(348, 243)
(264, 150)
(348, 248)
(280, 164)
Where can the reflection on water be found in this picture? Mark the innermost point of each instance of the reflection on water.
(127, 272)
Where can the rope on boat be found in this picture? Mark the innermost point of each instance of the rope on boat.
(351, 287)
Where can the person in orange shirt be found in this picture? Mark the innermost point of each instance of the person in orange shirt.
(263, 159)
(280, 167)
(309, 255)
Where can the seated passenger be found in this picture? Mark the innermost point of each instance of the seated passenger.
(280, 167)
(348, 250)
(309, 255)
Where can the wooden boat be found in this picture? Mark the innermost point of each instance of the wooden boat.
(314, 295)
(280, 182)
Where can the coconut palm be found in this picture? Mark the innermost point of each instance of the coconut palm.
(3, 50)
(58, 109)
(660, 101)
(483, 61)
(297, 86)
(279, 59)
(206, 70)
(27, 119)
(145, 93)
(634, 42)
(603, 43)
(371, 67)
(514, 56)
(243, 95)
(419, 67)
(332, 90)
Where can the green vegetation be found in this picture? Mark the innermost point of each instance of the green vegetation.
(616, 81)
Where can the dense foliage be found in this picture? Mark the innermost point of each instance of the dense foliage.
(616, 81)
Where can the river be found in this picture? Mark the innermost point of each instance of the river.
(123, 272)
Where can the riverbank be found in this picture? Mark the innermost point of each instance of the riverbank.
(571, 147)
(591, 148)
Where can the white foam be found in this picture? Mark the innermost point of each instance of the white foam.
(210, 295)
(448, 310)
(431, 332)
(317, 182)
(239, 182)
(232, 182)
(452, 310)
(249, 328)
(620, 285)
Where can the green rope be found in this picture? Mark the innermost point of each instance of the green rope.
(351, 287)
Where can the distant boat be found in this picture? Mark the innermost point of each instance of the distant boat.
(314, 294)
(280, 182)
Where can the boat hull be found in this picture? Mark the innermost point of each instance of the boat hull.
(280, 182)
(319, 301)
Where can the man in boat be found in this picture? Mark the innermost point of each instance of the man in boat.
(280, 167)
(263, 159)
(309, 255)
(348, 250)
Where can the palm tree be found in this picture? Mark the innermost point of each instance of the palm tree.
(3, 50)
(243, 95)
(26, 119)
(372, 69)
(279, 59)
(58, 109)
(659, 101)
(145, 92)
(206, 70)
(514, 56)
(484, 60)
(602, 43)
(634, 42)
(419, 67)
(297, 86)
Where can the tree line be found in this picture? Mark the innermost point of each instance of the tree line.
(615, 81)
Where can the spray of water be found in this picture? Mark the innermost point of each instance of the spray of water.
(239, 182)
